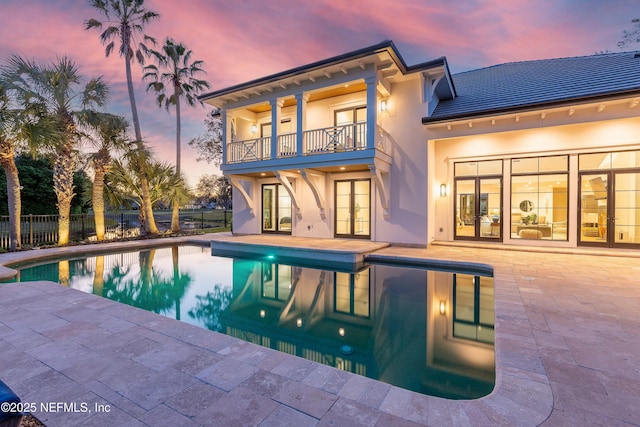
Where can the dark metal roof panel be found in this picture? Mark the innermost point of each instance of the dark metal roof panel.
(519, 85)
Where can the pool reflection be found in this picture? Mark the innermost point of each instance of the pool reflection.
(423, 330)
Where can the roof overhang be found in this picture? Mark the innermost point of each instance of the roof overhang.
(384, 56)
(532, 107)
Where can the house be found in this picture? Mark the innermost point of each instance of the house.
(362, 145)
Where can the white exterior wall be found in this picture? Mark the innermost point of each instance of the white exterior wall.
(407, 223)
(617, 128)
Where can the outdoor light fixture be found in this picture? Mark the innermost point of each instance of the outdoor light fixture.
(383, 105)
(341, 332)
(263, 313)
(299, 322)
(253, 128)
(443, 306)
(443, 190)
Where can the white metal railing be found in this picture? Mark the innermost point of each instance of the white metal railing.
(249, 150)
(287, 145)
(335, 139)
(317, 141)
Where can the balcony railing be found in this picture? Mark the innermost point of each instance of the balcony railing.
(287, 145)
(249, 150)
(336, 139)
(333, 139)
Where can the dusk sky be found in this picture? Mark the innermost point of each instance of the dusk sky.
(242, 40)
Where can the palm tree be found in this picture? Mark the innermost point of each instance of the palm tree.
(22, 127)
(123, 184)
(109, 136)
(55, 90)
(125, 20)
(172, 80)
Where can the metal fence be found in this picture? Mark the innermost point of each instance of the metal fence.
(37, 230)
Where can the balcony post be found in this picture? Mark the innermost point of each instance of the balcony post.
(225, 133)
(276, 109)
(301, 121)
(372, 110)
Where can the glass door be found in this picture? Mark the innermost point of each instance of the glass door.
(276, 209)
(353, 208)
(609, 209)
(478, 208)
(354, 136)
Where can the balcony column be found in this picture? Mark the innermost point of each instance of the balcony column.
(225, 134)
(276, 109)
(301, 121)
(372, 110)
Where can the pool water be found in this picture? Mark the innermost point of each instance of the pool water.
(423, 330)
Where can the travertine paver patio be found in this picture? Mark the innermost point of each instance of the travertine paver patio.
(567, 350)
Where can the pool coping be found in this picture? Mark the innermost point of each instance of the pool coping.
(522, 393)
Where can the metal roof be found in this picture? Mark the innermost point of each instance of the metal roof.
(541, 83)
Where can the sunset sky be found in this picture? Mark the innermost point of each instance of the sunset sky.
(242, 40)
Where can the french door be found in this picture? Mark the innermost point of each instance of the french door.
(353, 208)
(478, 210)
(609, 210)
(276, 209)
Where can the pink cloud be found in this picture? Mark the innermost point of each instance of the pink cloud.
(243, 40)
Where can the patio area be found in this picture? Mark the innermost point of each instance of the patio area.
(567, 352)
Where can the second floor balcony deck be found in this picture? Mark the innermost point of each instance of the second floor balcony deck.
(315, 142)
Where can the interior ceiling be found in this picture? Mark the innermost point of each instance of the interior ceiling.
(314, 96)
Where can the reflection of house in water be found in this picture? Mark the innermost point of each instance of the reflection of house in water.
(389, 323)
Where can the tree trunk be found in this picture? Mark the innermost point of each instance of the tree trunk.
(178, 129)
(14, 202)
(98, 277)
(150, 223)
(175, 212)
(132, 97)
(175, 215)
(63, 169)
(98, 201)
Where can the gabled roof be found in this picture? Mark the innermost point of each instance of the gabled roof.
(528, 85)
(385, 46)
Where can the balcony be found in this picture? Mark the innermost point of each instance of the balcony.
(316, 142)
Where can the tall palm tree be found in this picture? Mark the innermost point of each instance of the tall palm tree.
(108, 134)
(56, 89)
(125, 21)
(173, 79)
(22, 127)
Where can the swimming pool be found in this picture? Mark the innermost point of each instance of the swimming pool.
(428, 331)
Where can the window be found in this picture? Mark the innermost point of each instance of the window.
(352, 293)
(473, 315)
(539, 198)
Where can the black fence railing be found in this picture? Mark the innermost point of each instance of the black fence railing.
(37, 230)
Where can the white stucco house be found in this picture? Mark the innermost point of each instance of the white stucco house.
(363, 145)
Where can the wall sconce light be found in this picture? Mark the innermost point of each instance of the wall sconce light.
(443, 190)
(383, 105)
(443, 307)
(263, 314)
(341, 332)
(299, 322)
(253, 128)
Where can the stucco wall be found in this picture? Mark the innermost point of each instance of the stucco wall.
(529, 137)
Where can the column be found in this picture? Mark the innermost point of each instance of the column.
(372, 110)
(276, 109)
(301, 121)
(225, 133)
